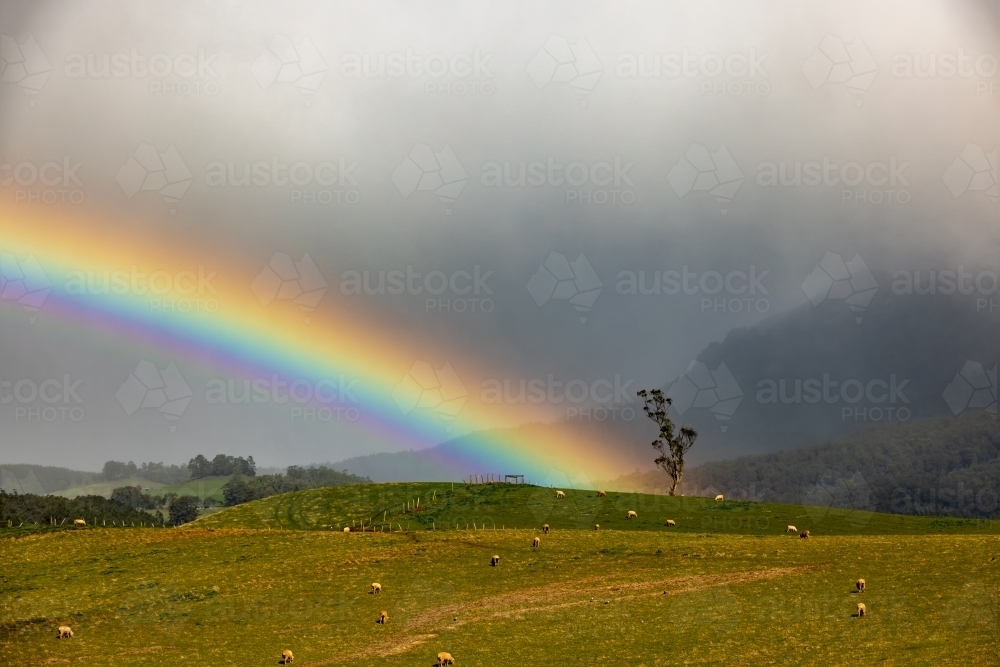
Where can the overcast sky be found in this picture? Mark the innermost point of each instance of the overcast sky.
(652, 137)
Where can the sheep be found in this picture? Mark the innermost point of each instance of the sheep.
(862, 609)
(560, 494)
(65, 632)
(791, 529)
(631, 514)
(287, 657)
(495, 561)
(860, 585)
(347, 529)
(804, 535)
(536, 542)
(376, 588)
(601, 494)
(671, 523)
(383, 617)
(597, 526)
(719, 498)
(79, 522)
(444, 658)
(545, 529)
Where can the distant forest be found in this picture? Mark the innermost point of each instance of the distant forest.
(943, 465)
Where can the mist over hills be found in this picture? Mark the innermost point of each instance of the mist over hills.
(815, 374)
(940, 465)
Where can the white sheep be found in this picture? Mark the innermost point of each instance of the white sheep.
(719, 498)
(671, 523)
(860, 585)
(383, 617)
(79, 522)
(791, 529)
(536, 542)
(631, 514)
(601, 494)
(804, 535)
(862, 609)
(560, 494)
(287, 657)
(376, 588)
(597, 526)
(347, 529)
(545, 528)
(495, 561)
(65, 632)
(444, 658)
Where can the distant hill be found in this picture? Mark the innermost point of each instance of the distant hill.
(815, 374)
(943, 465)
(26, 478)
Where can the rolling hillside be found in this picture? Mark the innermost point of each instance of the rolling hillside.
(490, 507)
(234, 590)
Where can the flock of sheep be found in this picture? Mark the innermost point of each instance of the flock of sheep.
(445, 658)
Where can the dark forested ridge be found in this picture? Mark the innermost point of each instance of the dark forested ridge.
(942, 465)
(17, 509)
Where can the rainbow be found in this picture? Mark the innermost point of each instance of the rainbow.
(244, 337)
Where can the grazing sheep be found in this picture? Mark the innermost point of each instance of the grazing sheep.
(536, 542)
(383, 617)
(376, 588)
(65, 632)
(545, 529)
(601, 494)
(597, 526)
(287, 657)
(671, 522)
(862, 609)
(79, 522)
(719, 498)
(631, 514)
(791, 529)
(860, 585)
(804, 534)
(495, 561)
(347, 529)
(445, 658)
(560, 494)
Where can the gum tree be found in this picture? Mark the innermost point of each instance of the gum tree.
(672, 445)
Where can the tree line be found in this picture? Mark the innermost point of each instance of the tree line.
(241, 490)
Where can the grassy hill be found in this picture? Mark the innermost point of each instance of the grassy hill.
(633, 592)
(102, 488)
(448, 506)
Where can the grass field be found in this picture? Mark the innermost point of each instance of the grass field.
(234, 589)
